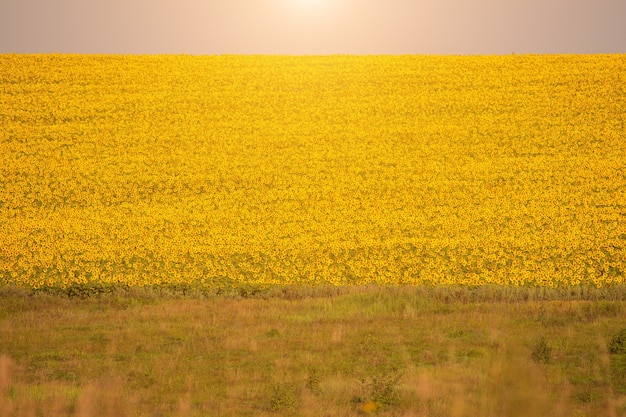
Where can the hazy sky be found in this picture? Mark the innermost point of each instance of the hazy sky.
(313, 26)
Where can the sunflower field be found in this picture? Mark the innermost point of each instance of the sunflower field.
(346, 170)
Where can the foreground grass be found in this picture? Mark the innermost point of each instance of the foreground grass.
(313, 352)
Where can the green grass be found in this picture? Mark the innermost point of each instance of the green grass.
(325, 351)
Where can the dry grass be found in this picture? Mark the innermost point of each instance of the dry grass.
(360, 351)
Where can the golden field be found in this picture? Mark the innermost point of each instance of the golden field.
(261, 170)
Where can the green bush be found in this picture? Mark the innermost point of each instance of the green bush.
(617, 345)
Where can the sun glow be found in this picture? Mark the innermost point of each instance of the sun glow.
(307, 4)
(310, 7)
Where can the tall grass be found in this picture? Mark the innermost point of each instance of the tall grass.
(336, 351)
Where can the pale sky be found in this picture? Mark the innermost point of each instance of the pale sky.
(306, 27)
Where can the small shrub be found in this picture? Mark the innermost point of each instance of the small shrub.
(542, 351)
(617, 345)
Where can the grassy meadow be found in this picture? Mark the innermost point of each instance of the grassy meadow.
(325, 351)
(312, 236)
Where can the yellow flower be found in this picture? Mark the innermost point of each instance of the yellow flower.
(371, 169)
(369, 407)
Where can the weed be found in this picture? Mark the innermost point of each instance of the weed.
(382, 389)
(272, 333)
(590, 396)
(283, 397)
(542, 351)
(313, 381)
